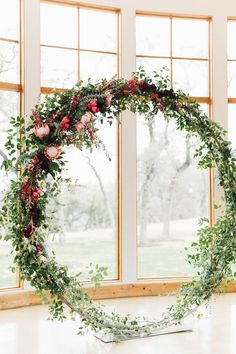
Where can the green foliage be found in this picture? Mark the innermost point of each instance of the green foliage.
(27, 221)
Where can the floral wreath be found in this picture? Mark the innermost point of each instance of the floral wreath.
(70, 118)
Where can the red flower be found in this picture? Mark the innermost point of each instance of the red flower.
(75, 102)
(34, 113)
(28, 231)
(38, 248)
(37, 120)
(93, 106)
(36, 193)
(154, 96)
(50, 120)
(133, 83)
(35, 160)
(65, 123)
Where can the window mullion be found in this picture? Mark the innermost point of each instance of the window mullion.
(129, 178)
(31, 47)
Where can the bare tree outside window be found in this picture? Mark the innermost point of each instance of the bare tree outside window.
(172, 192)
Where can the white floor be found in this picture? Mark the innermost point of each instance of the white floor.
(27, 331)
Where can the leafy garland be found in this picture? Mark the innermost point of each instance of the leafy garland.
(70, 118)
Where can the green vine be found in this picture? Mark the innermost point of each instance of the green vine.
(71, 118)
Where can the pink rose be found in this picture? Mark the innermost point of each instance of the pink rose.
(79, 126)
(41, 130)
(87, 118)
(108, 97)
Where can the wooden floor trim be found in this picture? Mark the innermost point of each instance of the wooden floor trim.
(22, 298)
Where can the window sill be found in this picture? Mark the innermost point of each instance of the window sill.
(24, 297)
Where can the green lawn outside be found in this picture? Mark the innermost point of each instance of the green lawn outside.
(161, 259)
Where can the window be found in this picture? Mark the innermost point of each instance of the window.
(172, 193)
(232, 82)
(10, 105)
(71, 50)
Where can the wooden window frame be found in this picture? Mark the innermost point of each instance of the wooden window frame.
(18, 88)
(231, 100)
(200, 99)
(48, 90)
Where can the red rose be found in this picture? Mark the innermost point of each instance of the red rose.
(35, 160)
(65, 123)
(35, 195)
(93, 106)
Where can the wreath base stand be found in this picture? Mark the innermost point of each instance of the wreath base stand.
(111, 338)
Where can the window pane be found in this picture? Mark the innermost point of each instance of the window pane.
(231, 39)
(191, 76)
(59, 67)
(151, 65)
(153, 35)
(95, 66)
(205, 108)
(231, 79)
(232, 124)
(59, 25)
(172, 195)
(9, 62)
(98, 30)
(8, 108)
(190, 38)
(88, 215)
(9, 19)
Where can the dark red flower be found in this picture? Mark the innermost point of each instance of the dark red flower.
(50, 120)
(28, 231)
(65, 123)
(93, 106)
(75, 102)
(35, 214)
(124, 92)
